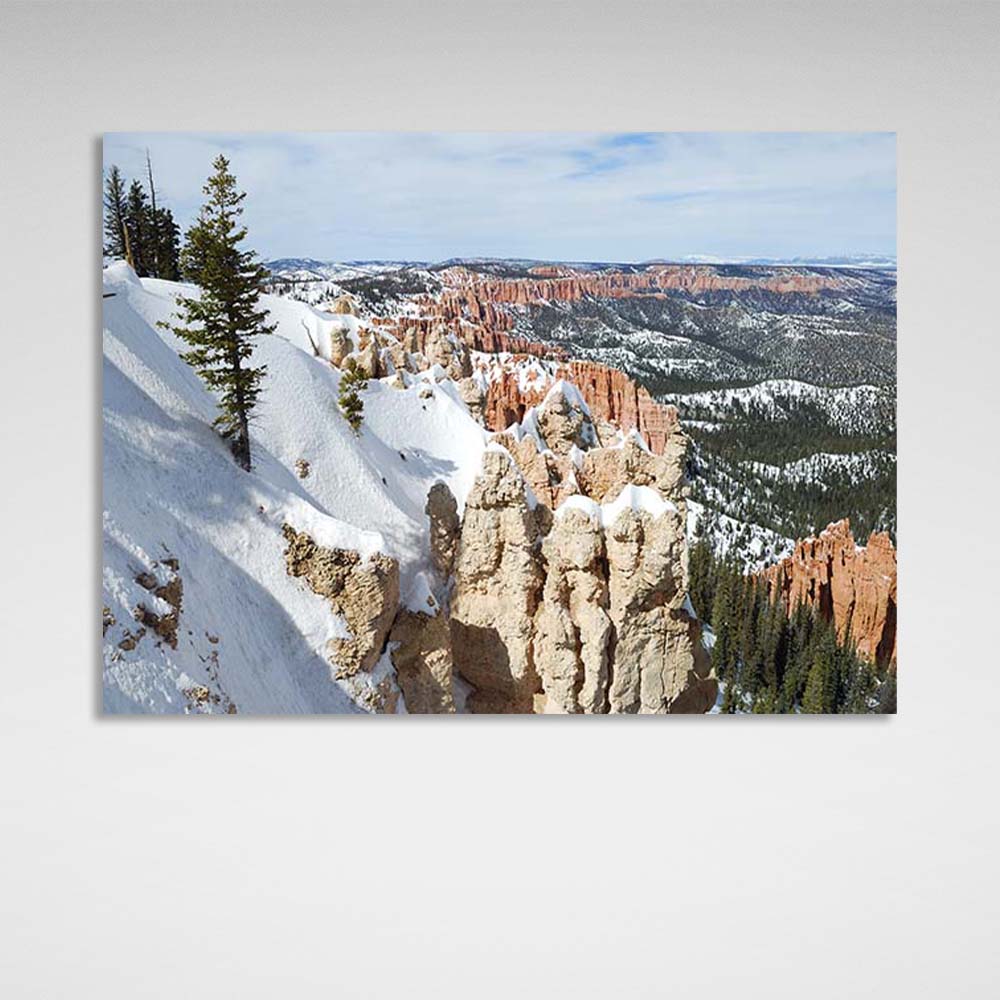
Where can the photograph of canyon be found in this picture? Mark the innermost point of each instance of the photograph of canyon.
(506, 423)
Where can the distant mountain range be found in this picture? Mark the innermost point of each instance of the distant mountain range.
(309, 268)
(841, 260)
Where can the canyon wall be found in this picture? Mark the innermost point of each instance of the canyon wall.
(482, 311)
(614, 400)
(479, 292)
(853, 586)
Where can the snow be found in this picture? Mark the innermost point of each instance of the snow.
(420, 595)
(570, 393)
(855, 408)
(641, 499)
(172, 491)
(759, 548)
(581, 503)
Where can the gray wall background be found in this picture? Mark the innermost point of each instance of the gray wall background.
(497, 858)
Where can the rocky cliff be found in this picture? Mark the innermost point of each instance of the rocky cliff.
(615, 402)
(562, 585)
(851, 585)
(479, 292)
(562, 588)
(578, 611)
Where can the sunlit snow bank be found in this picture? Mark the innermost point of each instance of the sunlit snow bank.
(250, 636)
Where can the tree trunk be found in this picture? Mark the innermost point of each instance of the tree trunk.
(153, 219)
(241, 446)
(241, 443)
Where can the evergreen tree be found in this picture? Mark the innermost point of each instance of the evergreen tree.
(812, 701)
(352, 383)
(114, 216)
(701, 584)
(820, 696)
(221, 323)
(722, 626)
(169, 246)
(139, 230)
(887, 696)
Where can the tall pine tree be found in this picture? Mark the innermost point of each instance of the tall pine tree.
(139, 230)
(168, 247)
(221, 323)
(115, 246)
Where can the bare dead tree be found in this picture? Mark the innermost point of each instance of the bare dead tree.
(315, 347)
(153, 216)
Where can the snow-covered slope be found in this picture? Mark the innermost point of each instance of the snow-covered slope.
(249, 638)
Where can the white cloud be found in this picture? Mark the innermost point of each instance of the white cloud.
(550, 195)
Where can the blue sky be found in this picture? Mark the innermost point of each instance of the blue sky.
(550, 195)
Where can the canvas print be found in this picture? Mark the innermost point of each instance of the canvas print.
(536, 423)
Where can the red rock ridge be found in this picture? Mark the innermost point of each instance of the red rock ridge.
(482, 309)
(611, 395)
(414, 330)
(852, 586)
(572, 286)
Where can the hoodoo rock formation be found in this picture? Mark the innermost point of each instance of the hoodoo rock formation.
(498, 579)
(580, 610)
(579, 607)
(613, 399)
(421, 653)
(562, 585)
(853, 586)
(613, 633)
(481, 312)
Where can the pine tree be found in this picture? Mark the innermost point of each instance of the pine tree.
(169, 246)
(138, 229)
(887, 696)
(352, 383)
(220, 325)
(821, 688)
(722, 626)
(812, 700)
(701, 584)
(114, 216)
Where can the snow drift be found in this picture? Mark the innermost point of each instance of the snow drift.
(199, 612)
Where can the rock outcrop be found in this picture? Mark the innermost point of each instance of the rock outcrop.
(615, 402)
(422, 655)
(364, 592)
(442, 513)
(564, 421)
(550, 477)
(573, 628)
(498, 580)
(483, 310)
(480, 291)
(852, 586)
(615, 399)
(659, 663)
(605, 472)
(580, 611)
